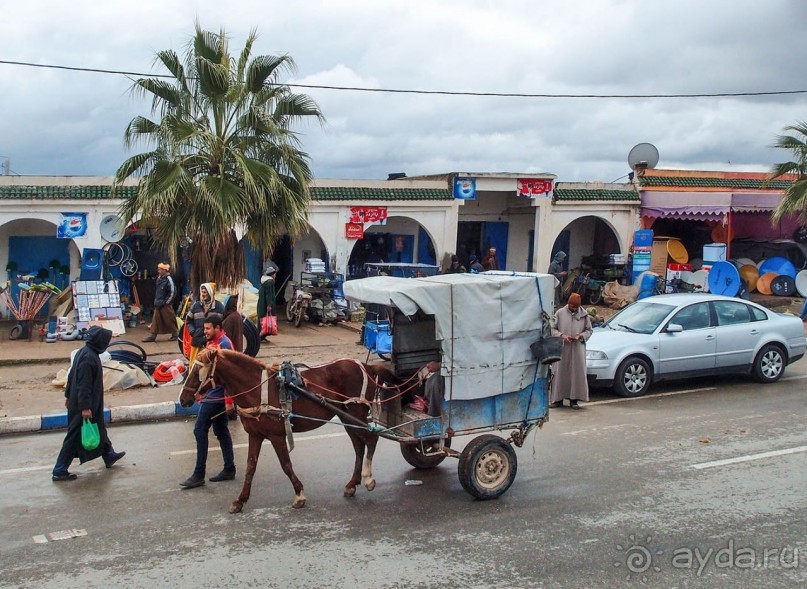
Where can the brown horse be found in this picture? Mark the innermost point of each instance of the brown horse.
(348, 383)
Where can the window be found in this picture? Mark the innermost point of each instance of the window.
(693, 317)
(731, 312)
(757, 314)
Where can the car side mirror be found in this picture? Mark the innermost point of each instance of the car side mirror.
(674, 328)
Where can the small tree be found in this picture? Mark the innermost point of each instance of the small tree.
(795, 198)
(223, 155)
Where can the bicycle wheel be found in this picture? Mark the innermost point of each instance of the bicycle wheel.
(128, 267)
(290, 309)
(298, 313)
(114, 254)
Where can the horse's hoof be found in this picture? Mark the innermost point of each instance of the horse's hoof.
(236, 507)
(350, 491)
(370, 486)
(298, 503)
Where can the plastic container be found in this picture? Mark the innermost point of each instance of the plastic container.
(764, 283)
(750, 274)
(714, 252)
(783, 286)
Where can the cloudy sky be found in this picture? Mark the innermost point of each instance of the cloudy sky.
(57, 122)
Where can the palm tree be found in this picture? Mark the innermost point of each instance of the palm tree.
(223, 155)
(795, 199)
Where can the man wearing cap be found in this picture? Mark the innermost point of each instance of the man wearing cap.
(455, 267)
(490, 262)
(164, 320)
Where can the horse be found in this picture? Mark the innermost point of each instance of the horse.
(346, 382)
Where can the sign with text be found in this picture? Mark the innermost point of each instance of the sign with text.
(72, 225)
(532, 187)
(367, 214)
(354, 230)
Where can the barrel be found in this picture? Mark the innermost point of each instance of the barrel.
(647, 284)
(764, 283)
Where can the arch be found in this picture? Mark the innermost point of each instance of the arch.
(588, 235)
(403, 239)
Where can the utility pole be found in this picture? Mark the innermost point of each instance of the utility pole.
(6, 165)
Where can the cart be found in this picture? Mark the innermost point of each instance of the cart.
(482, 329)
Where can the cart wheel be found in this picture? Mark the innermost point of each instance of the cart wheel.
(487, 467)
(16, 332)
(290, 309)
(595, 296)
(299, 311)
(413, 454)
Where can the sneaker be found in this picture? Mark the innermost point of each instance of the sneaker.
(192, 482)
(556, 404)
(150, 338)
(224, 475)
(65, 476)
(112, 458)
(574, 405)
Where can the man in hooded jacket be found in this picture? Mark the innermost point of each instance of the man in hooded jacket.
(84, 395)
(206, 306)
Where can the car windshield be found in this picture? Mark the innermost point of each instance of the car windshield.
(640, 317)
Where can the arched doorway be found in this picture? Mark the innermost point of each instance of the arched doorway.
(588, 242)
(400, 240)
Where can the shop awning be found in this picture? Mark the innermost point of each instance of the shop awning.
(705, 206)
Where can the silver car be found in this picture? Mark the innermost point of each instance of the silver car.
(677, 336)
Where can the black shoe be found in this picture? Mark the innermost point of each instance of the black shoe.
(68, 476)
(556, 404)
(150, 338)
(112, 458)
(224, 475)
(192, 482)
(574, 405)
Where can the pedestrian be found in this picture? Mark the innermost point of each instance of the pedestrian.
(455, 267)
(212, 412)
(233, 323)
(556, 270)
(474, 266)
(164, 319)
(266, 294)
(84, 399)
(206, 306)
(573, 324)
(490, 262)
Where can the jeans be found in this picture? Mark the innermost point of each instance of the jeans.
(212, 414)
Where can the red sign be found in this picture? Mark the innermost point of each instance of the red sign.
(367, 214)
(533, 187)
(354, 230)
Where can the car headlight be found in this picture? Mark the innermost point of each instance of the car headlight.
(595, 355)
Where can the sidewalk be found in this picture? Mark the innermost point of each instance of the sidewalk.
(29, 402)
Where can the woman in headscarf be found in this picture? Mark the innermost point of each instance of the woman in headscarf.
(233, 323)
(195, 320)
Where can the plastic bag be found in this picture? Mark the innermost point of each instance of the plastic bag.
(268, 325)
(90, 437)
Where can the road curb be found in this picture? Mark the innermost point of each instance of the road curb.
(112, 415)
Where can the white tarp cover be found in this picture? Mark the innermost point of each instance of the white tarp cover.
(485, 323)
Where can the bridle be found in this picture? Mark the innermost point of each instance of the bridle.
(204, 377)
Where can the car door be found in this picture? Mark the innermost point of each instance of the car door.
(692, 349)
(737, 335)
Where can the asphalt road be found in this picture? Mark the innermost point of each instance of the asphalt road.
(698, 485)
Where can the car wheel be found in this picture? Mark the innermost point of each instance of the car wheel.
(769, 365)
(632, 378)
(487, 467)
(413, 454)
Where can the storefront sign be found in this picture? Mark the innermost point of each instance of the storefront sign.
(465, 188)
(531, 188)
(354, 230)
(72, 225)
(367, 214)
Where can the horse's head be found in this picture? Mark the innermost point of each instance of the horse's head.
(199, 380)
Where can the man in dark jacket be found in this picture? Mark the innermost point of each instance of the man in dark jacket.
(85, 400)
(164, 319)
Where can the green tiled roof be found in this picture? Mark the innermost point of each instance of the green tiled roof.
(63, 192)
(569, 194)
(694, 182)
(379, 194)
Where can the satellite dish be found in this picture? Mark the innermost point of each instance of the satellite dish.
(112, 228)
(643, 153)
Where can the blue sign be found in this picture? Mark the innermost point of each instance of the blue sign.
(72, 225)
(465, 188)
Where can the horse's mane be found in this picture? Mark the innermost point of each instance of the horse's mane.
(240, 358)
